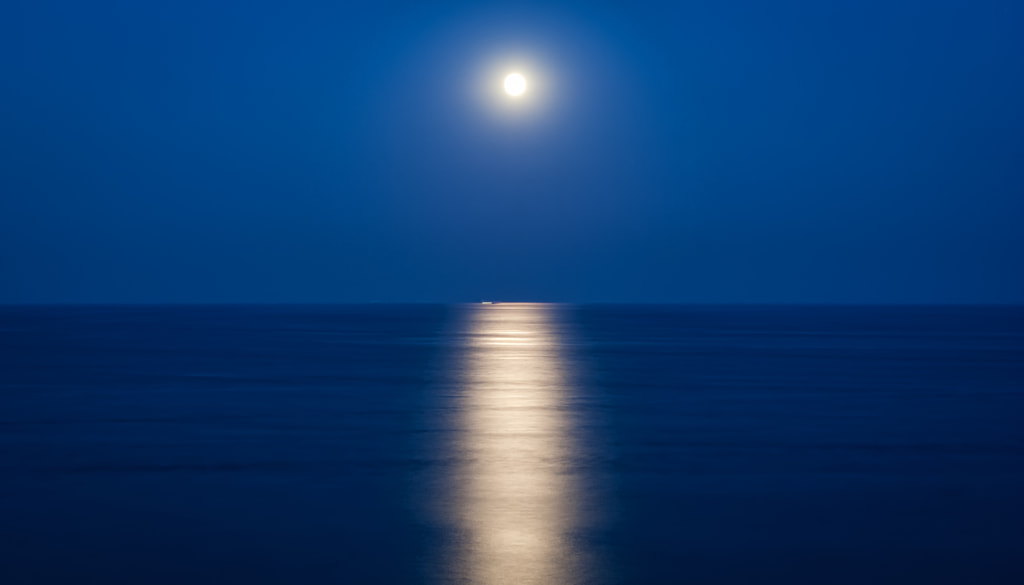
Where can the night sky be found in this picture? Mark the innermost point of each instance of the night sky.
(713, 152)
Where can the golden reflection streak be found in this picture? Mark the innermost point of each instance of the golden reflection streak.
(515, 491)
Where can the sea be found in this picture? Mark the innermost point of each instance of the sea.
(511, 443)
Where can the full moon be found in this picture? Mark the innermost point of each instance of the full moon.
(515, 84)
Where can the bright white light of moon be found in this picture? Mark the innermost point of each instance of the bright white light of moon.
(515, 84)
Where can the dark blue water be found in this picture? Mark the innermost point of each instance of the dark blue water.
(511, 444)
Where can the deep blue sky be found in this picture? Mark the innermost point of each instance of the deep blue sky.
(718, 151)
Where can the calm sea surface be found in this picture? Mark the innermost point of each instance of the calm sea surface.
(511, 444)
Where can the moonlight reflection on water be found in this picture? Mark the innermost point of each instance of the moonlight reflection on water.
(517, 499)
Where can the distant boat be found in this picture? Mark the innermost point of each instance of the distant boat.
(488, 302)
